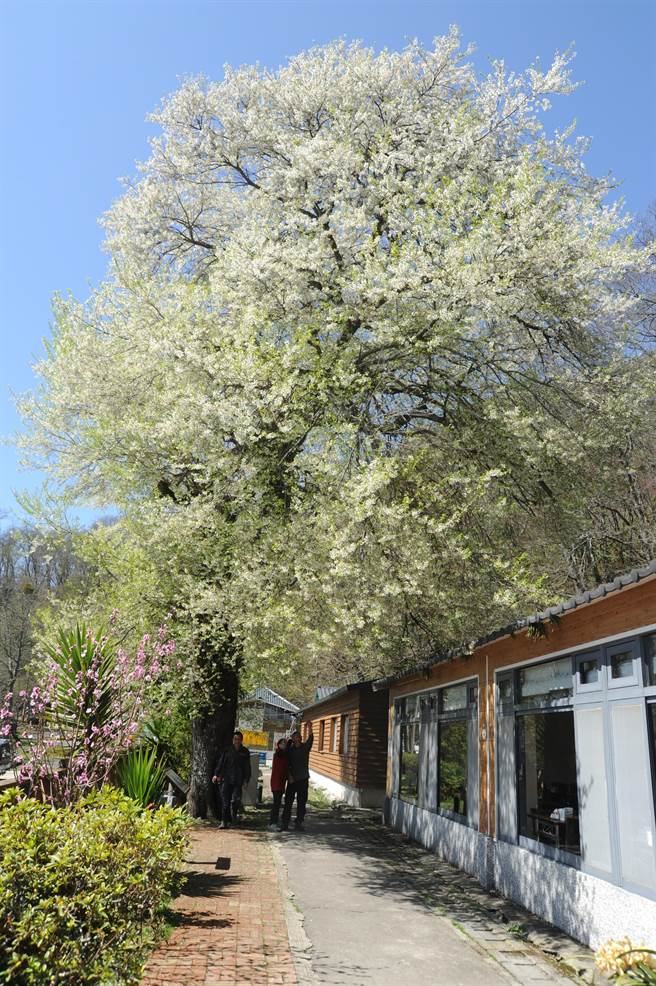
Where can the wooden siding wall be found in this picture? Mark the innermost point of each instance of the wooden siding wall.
(622, 612)
(340, 766)
(372, 742)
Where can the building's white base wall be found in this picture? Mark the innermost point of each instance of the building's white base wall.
(356, 797)
(458, 844)
(587, 908)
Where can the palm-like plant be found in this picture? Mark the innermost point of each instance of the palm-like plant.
(82, 686)
(141, 775)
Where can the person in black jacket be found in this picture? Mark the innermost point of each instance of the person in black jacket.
(232, 771)
(298, 755)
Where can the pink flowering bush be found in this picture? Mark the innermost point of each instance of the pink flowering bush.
(73, 728)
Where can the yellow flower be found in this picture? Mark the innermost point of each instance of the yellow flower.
(615, 957)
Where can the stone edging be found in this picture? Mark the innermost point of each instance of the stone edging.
(299, 943)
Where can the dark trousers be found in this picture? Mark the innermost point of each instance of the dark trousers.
(275, 808)
(230, 793)
(298, 790)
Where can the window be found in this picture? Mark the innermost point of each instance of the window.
(546, 783)
(622, 664)
(333, 735)
(650, 656)
(452, 766)
(409, 753)
(456, 741)
(576, 760)
(322, 734)
(541, 683)
(634, 801)
(344, 734)
(589, 669)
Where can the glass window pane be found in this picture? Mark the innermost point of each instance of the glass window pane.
(593, 794)
(452, 766)
(650, 651)
(589, 671)
(409, 781)
(505, 686)
(546, 781)
(634, 794)
(454, 698)
(542, 682)
(412, 707)
(506, 778)
(344, 734)
(621, 664)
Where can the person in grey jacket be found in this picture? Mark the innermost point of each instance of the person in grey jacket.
(298, 756)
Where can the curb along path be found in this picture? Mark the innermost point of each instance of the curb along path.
(229, 920)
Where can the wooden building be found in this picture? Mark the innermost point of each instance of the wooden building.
(265, 711)
(531, 761)
(349, 755)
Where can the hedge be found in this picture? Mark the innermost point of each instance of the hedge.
(83, 888)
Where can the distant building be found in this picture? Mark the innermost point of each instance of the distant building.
(266, 711)
(349, 755)
(530, 761)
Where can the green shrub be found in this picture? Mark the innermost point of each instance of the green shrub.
(141, 775)
(83, 887)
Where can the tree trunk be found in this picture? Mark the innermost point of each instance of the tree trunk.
(211, 731)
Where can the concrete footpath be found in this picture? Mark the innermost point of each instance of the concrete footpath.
(379, 911)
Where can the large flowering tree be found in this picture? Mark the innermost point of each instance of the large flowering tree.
(361, 328)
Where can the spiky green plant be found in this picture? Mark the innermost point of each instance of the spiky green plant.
(141, 775)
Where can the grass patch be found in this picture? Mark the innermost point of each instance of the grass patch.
(318, 798)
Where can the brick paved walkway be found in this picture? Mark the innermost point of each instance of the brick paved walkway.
(230, 925)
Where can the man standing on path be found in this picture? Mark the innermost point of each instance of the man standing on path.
(232, 771)
(298, 754)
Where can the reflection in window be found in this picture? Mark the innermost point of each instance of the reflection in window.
(547, 792)
(505, 686)
(409, 781)
(452, 767)
(589, 671)
(545, 682)
(621, 664)
(454, 698)
(344, 734)
(650, 653)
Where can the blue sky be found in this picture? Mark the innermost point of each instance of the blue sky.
(78, 78)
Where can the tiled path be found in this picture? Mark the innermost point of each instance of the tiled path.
(230, 925)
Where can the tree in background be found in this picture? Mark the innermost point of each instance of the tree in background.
(34, 568)
(354, 376)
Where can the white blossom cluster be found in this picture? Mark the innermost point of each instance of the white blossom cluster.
(362, 319)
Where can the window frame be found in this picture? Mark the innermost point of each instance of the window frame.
(333, 735)
(605, 694)
(445, 716)
(322, 735)
(582, 687)
(344, 731)
(632, 680)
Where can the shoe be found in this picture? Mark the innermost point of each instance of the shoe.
(224, 825)
(283, 828)
(299, 826)
(273, 827)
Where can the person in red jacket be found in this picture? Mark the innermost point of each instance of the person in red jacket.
(279, 778)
